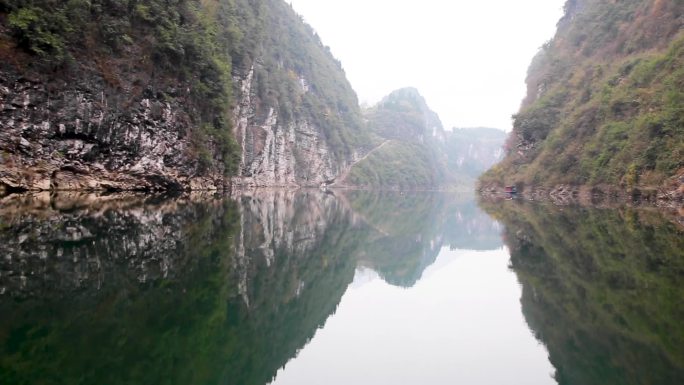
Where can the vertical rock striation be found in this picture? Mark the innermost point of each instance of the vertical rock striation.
(79, 135)
(194, 96)
(280, 153)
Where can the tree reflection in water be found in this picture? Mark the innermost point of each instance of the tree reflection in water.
(201, 289)
(603, 289)
(126, 289)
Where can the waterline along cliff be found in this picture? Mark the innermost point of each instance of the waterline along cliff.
(604, 110)
(151, 95)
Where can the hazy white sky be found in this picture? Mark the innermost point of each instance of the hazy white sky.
(468, 58)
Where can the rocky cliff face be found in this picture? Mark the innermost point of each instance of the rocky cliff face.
(192, 96)
(281, 153)
(77, 134)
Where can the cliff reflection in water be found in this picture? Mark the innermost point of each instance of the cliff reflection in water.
(603, 289)
(202, 290)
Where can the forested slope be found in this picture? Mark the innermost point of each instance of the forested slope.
(605, 102)
(416, 152)
(410, 155)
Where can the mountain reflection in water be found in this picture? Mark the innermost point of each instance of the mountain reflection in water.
(214, 290)
(603, 289)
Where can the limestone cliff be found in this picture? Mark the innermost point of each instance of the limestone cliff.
(81, 135)
(143, 95)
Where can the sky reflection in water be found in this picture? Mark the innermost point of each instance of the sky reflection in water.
(460, 323)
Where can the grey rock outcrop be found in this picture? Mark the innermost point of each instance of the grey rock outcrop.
(84, 136)
(280, 153)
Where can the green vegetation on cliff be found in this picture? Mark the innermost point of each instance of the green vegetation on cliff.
(396, 164)
(418, 153)
(136, 46)
(190, 50)
(409, 157)
(605, 103)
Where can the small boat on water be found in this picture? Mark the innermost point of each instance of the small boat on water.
(510, 190)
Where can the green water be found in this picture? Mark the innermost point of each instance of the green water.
(336, 288)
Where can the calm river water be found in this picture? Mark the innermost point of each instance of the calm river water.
(311, 287)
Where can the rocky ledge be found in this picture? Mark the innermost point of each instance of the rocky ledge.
(671, 195)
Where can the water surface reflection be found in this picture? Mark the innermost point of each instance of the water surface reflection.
(603, 289)
(311, 287)
(460, 323)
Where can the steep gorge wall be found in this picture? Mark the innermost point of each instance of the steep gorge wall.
(276, 152)
(296, 118)
(604, 104)
(78, 135)
(191, 95)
